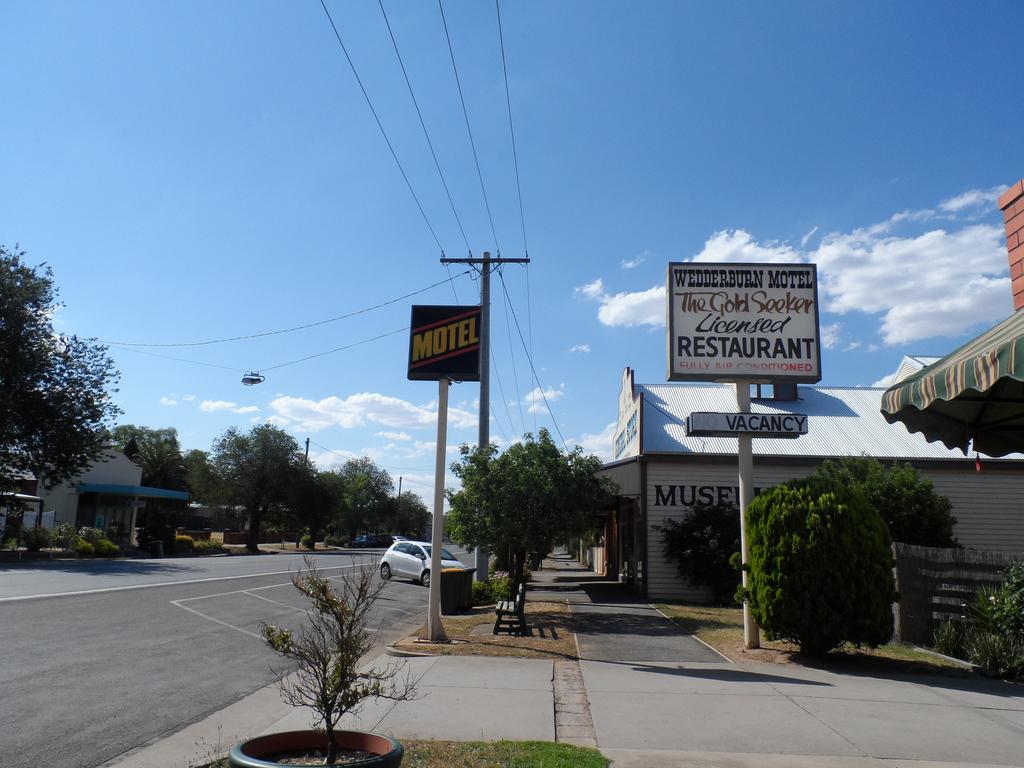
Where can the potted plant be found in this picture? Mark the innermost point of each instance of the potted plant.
(329, 680)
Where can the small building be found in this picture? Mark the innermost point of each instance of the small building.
(661, 471)
(109, 492)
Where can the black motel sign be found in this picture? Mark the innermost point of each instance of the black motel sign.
(444, 343)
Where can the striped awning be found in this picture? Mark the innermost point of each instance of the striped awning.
(975, 393)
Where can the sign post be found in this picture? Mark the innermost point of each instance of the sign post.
(444, 345)
(744, 324)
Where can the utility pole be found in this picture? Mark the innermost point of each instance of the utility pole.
(485, 364)
(307, 450)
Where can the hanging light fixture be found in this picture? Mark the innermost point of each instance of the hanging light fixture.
(253, 377)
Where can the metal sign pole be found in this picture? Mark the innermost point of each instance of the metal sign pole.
(745, 453)
(435, 630)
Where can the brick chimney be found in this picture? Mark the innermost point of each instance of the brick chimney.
(1011, 203)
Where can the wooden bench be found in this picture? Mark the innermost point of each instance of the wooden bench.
(510, 615)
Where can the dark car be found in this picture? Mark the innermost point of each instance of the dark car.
(372, 541)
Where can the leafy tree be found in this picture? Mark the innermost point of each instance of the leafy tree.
(525, 499)
(820, 566)
(257, 470)
(200, 477)
(703, 544)
(315, 498)
(411, 514)
(158, 453)
(908, 502)
(55, 390)
(367, 491)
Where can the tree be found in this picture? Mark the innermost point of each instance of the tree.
(158, 453)
(328, 648)
(411, 514)
(200, 477)
(820, 566)
(526, 499)
(909, 504)
(316, 499)
(257, 470)
(368, 489)
(55, 390)
(703, 544)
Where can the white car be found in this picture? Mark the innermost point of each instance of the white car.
(411, 560)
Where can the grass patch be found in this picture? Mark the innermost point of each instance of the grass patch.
(551, 624)
(422, 753)
(722, 629)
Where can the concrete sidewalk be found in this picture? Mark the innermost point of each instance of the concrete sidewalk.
(648, 695)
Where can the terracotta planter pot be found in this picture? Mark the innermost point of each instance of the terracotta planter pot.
(387, 752)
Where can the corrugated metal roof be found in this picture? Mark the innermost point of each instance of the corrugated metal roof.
(841, 421)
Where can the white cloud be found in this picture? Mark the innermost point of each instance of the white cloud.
(830, 335)
(808, 236)
(189, 398)
(581, 348)
(404, 436)
(277, 421)
(919, 284)
(632, 263)
(599, 444)
(536, 398)
(592, 290)
(637, 308)
(359, 409)
(973, 198)
(213, 406)
(168, 401)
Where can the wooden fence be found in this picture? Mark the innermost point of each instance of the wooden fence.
(936, 584)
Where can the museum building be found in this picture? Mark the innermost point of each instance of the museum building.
(661, 471)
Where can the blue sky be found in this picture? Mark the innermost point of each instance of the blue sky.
(193, 171)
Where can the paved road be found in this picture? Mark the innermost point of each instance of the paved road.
(99, 657)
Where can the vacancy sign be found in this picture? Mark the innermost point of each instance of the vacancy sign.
(757, 424)
(743, 322)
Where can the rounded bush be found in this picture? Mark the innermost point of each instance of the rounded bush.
(183, 545)
(34, 539)
(105, 548)
(820, 566)
(83, 548)
(308, 542)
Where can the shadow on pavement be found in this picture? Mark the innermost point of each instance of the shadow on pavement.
(99, 567)
(725, 675)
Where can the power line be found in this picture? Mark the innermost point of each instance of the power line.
(269, 368)
(286, 330)
(536, 378)
(511, 130)
(332, 351)
(423, 125)
(381, 126)
(512, 357)
(501, 389)
(469, 130)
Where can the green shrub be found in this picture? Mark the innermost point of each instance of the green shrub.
(820, 566)
(335, 541)
(91, 535)
(34, 539)
(908, 503)
(206, 547)
(952, 637)
(1008, 611)
(184, 545)
(308, 542)
(501, 588)
(997, 654)
(702, 544)
(105, 548)
(482, 593)
(83, 548)
(63, 535)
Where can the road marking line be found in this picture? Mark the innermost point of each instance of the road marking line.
(216, 620)
(130, 587)
(268, 586)
(275, 602)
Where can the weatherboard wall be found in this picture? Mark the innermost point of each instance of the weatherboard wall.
(987, 506)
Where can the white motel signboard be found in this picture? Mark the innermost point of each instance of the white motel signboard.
(701, 424)
(743, 322)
